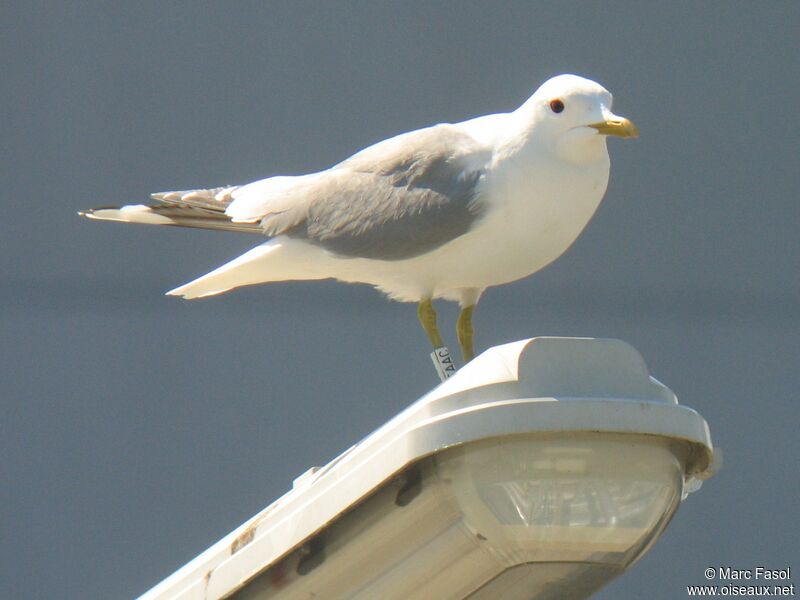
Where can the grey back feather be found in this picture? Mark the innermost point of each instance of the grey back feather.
(395, 200)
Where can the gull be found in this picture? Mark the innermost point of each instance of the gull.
(443, 212)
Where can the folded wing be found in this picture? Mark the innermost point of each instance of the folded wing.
(395, 200)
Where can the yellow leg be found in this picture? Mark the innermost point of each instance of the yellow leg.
(464, 331)
(427, 316)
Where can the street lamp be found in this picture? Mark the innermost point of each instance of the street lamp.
(542, 469)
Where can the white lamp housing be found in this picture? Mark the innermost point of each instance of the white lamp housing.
(542, 469)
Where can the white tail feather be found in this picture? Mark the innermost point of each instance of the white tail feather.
(277, 260)
(247, 269)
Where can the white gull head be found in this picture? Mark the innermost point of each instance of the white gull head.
(571, 116)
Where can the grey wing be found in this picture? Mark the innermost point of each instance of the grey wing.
(395, 200)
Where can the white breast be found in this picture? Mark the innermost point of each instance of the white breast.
(537, 218)
(533, 220)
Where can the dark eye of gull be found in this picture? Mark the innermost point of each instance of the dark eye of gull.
(556, 105)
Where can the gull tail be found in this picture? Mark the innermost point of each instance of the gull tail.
(204, 209)
(279, 259)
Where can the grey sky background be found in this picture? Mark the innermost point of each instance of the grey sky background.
(138, 429)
